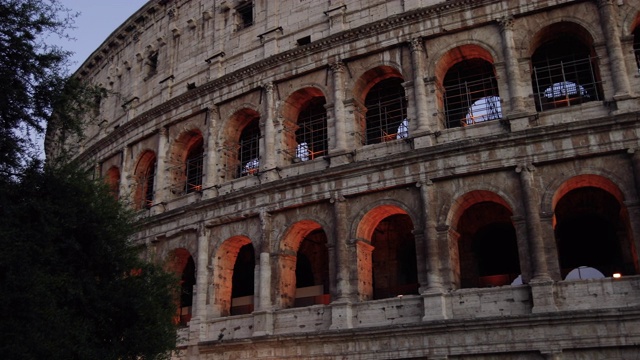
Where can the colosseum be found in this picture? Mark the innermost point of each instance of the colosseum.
(371, 179)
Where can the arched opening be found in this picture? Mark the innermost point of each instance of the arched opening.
(145, 173)
(395, 270)
(241, 147)
(187, 159)
(233, 277)
(564, 67)
(487, 246)
(304, 278)
(311, 134)
(305, 125)
(386, 117)
(249, 149)
(591, 231)
(242, 283)
(113, 181)
(194, 166)
(471, 93)
(312, 270)
(182, 264)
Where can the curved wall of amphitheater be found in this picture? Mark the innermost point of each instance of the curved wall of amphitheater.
(382, 179)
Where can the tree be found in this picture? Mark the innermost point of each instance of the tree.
(35, 79)
(72, 284)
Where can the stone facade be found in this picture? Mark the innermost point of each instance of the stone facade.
(415, 179)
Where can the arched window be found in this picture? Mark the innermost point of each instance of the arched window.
(113, 181)
(590, 232)
(311, 135)
(181, 263)
(242, 281)
(564, 68)
(312, 270)
(487, 247)
(395, 270)
(386, 112)
(145, 179)
(471, 93)
(249, 149)
(194, 166)
(187, 283)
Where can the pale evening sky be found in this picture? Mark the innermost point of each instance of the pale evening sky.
(97, 20)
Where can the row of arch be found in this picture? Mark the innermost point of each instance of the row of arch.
(486, 248)
(564, 72)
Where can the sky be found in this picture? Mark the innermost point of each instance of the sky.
(97, 20)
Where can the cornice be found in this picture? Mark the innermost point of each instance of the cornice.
(263, 66)
(400, 159)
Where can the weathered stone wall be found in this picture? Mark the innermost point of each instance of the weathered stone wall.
(183, 72)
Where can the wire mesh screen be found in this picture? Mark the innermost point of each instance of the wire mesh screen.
(386, 112)
(248, 151)
(564, 84)
(471, 94)
(564, 74)
(194, 172)
(311, 136)
(146, 182)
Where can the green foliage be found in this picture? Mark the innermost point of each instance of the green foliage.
(34, 78)
(71, 285)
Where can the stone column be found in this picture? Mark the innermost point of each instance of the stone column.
(202, 280)
(541, 283)
(337, 69)
(341, 311)
(268, 151)
(531, 199)
(264, 278)
(125, 172)
(417, 59)
(449, 255)
(520, 225)
(433, 294)
(263, 314)
(516, 97)
(344, 288)
(609, 23)
(211, 156)
(161, 192)
(551, 249)
(429, 206)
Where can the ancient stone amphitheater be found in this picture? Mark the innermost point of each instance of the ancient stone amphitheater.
(371, 179)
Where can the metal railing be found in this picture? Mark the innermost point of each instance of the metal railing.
(565, 83)
(311, 135)
(471, 102)
(386, 112)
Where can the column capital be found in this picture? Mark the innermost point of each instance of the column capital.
(415, 45)
(337, 198)
(268, 87)
(525, 167)
(505, 22)
(337, 67)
